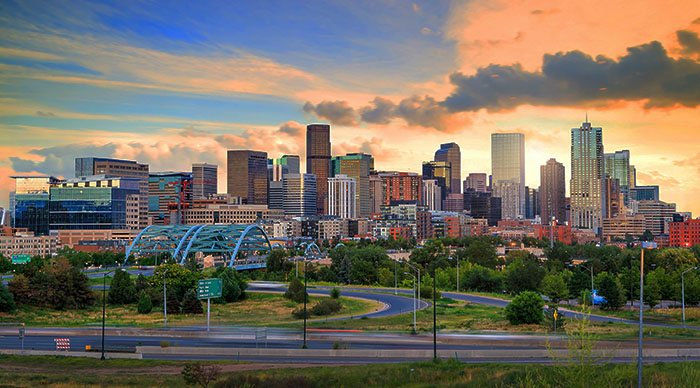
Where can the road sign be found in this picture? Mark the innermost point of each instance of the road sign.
(21, 333)
(209, 288)
(555, 315)
(21, 259)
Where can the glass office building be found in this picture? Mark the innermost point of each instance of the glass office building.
(508, 171)
(31, 203)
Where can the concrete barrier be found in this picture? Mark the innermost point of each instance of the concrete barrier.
(136, 356)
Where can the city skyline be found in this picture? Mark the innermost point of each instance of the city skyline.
(215, 89)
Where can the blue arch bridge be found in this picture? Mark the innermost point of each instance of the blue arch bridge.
(217, 240)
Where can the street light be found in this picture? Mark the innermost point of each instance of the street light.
(165, 301)
(641, 312)
(435, 263)
(104, 288)
(309, 249)
(457, 273)
(683, 291)
(590, 267)
(414, 300)
(418, 271)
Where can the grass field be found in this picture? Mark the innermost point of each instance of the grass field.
(71, 372)
(658, 315)
(267, 309)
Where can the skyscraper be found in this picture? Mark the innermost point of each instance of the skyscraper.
(246, 176)
(204, 180)
(31, 203)
(478, 181)
(612, 197)
(376, 193)
(318, 160)
(299, 195)
(342, 201)
(401, 186)
(441, 172)
(449, 152)
(552, 192)
(357, 166)
(587, 174)
(432, 194)
(617, 166)
(277, 168)
(508, 171)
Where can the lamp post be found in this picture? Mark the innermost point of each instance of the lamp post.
(590, 267)
(395, 279)
(435, 263)
(165, 301)
(418, 271)
(641, 312)
(305, 296)
(457, 273)
(414, 300)
(683, 291)
(104, 288)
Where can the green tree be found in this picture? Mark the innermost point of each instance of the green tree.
(141, 283)
(609, 288)
(173, 303)
(652, 289)
(233, 285)
(192, 265)
(335, 293)
(482, 253)
(523, 275)
(526, 307)
(277, 261)
(554, 287)
(177, 279)
(483, 279)
(145, 306)
(191, 304)
(295, 291)
(122, 290)
(385, 277)
(7, 301)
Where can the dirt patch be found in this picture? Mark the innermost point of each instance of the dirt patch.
(177, 369)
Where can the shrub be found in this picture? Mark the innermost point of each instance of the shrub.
(164, 344)
(145, 306)
(525, 308)
(7, 301)
(335, 293)
(122, 290)
(190, 304)
(196, 373)
(326, 307)
(426, 292)
(295, 291)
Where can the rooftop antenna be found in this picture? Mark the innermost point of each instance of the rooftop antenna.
(586, 117)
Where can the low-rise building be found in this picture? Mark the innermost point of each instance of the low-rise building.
(684, 234)
(623, 225)
(28, 244)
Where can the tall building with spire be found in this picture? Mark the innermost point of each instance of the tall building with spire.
(449, 152)
(318, 161)
(587, 174)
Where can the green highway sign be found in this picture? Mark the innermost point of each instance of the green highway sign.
(21, 259)
(209, 288)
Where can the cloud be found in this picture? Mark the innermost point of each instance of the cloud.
(337, 112)
(292, 128)
(646, 72)
(45, 114)
(60, 160)
(424, 111)
(657, 178)
(693, 161)
(690, 42)
(381, 111)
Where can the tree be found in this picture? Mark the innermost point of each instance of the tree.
(652, 289)
(145, 306)
(523, 276)
(177, 278)
(482, 253)
(7, 301)
(196, 373)
(525, 308)
(295, 291)
(277, 261)
(141, 283)
(233, 285)
(20, 289)
(122, 290)
(335, 293)
(190, 304)
(609, 288)
(483, 279)
(173, 303)
(647, 236)
(192, 265)
(554, 287)
(59, 285)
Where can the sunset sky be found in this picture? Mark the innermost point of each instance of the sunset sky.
(174, 85)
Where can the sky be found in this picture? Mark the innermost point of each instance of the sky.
(173, 84)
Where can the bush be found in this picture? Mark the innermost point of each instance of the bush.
(233, 285)
(525, 308)
(426, 292)
(7, 301)
(295, 291)
(191, 304)
(196, 373)
(122, 290)
(335, 293)
(326, 307)
(145, 306)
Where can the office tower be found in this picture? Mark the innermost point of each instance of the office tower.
(478, 181)
(299, 191)
(612, 197)
(277, 168)
(31, 203)
(246, 176)
(318, 160)
(357, 166)
(121, 168)
(432, 194)
(453, 203)
(342, 201)
(532, 203)
(617, 166)
(440, 172)
(401, 186)
(508, 171)
(94, 202)
(633, 176)
(169, 194)
(275, 196)
(376, 193)
(467, 196)
(483, 206)
(204, 180)
(644, 193)
(552, 192)
(449, 152)
(657, 215)
(587, 174)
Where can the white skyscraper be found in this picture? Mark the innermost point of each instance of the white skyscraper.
(432, 195)
(341, 196)
(508, 172)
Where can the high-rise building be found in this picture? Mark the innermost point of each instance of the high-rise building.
(587, 174)
(318, 160)
(376, 193)
(342, 201)
(486, 207)
(401, 186)
(633, 176)
(300, 195)
(275, 196)
(168, 192)
(277, 168)
(552, 192)
(612, 197)
(478, 181)
(204, 180)
(246, 176)
(118, 168)
(508, 172)
(453, 203)
(31, 203)
(357, 166)
(617, 166)
(449, 152)
(532, 203)
(440, 172)
(432, 194)
(684, 234)
(644, 193)
(657, 215)
(94, 202)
